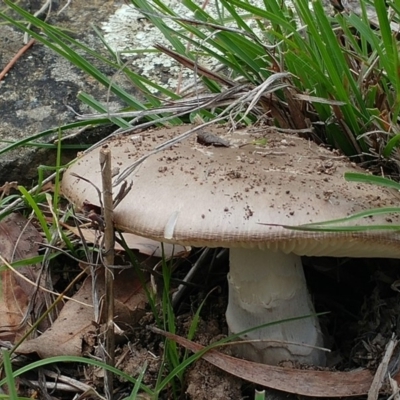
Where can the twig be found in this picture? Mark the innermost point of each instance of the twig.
(72, 383)
(176, 297)
(382, 370)
(106, 175)
(395, 389)
(16, 58)
(53, 386)
(66, 5)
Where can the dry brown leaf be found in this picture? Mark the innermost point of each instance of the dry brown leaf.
(6, 189)
(13, 305)
(143, 245)
(66, 335)
(75, 327)
(18, 240)
(301, 382)
(296, 109)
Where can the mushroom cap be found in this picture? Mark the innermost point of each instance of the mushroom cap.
(198, 195)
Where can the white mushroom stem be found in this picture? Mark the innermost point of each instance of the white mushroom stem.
(267, 286)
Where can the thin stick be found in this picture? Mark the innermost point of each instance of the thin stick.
(16, 58)
(106, 175)
(381, 372)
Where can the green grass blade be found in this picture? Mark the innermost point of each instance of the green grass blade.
(160, 24)
(49, 145)
(66, 51)
(331, 54)
(363, 214)
(96, 105)
(371, 179)
(273, 12)
(391, 145)
(391, 48)
(238, 18)
(80, 360)
(12, 390)
(139, 379)
(45, 134)
(247, 52)
(356, 228)
(39, 215)
(29, 261)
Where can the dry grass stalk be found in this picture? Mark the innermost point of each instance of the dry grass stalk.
(106, 173)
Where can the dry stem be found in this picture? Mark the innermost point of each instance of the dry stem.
(106, 174)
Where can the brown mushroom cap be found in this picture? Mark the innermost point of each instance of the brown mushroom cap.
(212, 196)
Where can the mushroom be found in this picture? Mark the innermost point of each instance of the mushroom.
(237, 196)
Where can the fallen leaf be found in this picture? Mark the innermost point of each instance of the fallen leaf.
(290, 380)
(7, 187)
(19, 240)
(75, 328)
